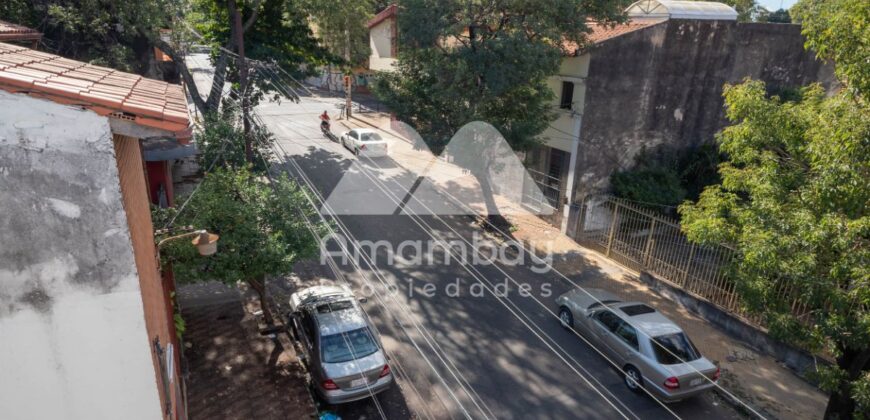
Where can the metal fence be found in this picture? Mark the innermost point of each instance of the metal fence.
(642, 240)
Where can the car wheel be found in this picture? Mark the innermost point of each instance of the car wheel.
(633, 379)
(566, 318)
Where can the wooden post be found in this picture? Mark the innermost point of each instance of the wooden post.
(649, 239)
(612, 228)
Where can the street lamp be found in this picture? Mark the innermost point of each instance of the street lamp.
(206, 243)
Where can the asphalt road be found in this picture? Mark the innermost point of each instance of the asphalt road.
(459, 351)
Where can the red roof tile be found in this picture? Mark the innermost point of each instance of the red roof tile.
(105, 91)
(13, 32)
(391, 11)
(600, 32)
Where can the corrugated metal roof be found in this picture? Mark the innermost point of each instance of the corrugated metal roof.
(13, 32)
(106, 91)
(681, 9)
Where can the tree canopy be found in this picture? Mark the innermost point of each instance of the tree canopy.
(793, 203)
(113, 33)
(341, 26)
(261, 227)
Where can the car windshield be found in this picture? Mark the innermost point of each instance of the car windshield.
(370, 137)
(672, 349)
(347, 346)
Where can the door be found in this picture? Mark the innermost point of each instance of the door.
(603, 324)
(624, 342)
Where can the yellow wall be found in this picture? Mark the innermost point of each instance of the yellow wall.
(560, 135)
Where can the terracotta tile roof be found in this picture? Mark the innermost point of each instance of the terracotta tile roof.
(106, 91)
(391, 11)
(600, 32)
(13, 32)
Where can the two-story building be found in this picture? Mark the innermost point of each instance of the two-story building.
(86, 321)
(655, 80)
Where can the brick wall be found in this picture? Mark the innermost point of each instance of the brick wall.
(158, 321)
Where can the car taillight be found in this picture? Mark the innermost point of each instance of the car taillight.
(329, 384)
(385, 371)
(672, 383)
(716, 375)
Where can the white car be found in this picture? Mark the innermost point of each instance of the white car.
(364, 142)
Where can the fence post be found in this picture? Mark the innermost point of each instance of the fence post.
(647, 246)
(688, 264)
(612, 228)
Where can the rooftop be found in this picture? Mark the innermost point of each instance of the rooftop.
(600, 32)
(673, 9)
(106, 91)
(13, 32)
(391, 11)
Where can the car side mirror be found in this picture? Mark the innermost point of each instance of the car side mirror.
(363, 299)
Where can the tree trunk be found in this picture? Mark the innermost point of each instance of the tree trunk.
(497, 222)
(259, 285)
(185, 73)
(218, 80)
(239, 33)
(841, 406)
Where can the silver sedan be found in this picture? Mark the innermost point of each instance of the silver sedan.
(651, 350)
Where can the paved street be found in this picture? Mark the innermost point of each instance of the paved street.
(465, 355)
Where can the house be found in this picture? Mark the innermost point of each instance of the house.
(383, 39)
(655, 80)
(85, 318)
(10, 32)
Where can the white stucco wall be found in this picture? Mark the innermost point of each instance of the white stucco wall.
(380, 41)
(73, 343)
(573, 69)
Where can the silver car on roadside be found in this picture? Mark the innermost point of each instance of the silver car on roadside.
(651, 350)
(339, 345)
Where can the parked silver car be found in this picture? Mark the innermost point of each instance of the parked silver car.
(364, 142)
(339, 345)
(652, 351)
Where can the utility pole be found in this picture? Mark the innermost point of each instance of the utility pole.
(239, 34)
(348, 82)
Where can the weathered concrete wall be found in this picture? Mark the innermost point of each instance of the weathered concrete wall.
(73, 342)
(663, 85)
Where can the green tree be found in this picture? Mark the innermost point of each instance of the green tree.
(221, 142)
(793, 202)
(262, 232)
(274, 32)
(463, 61)
(840, 31)
(113, 33)
(341, 26)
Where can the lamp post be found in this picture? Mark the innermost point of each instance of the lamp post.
(205, 242)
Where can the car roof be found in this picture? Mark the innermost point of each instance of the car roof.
(315, 293)
(340, 321)
(364, 130)
(651, 321)
(584, 297)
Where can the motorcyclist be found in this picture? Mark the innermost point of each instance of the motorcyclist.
(324, 121)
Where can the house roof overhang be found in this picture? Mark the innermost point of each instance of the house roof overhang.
(118, 95)
(390, 12)
(13, 32)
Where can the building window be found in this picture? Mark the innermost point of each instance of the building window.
(567, 95)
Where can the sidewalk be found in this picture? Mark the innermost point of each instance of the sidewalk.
(234, 372)
(752, 377)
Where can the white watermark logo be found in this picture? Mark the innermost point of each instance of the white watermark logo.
(479, 251)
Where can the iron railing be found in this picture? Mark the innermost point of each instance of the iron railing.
(642, 240)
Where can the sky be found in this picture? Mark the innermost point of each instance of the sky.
(773, 5)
